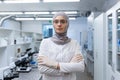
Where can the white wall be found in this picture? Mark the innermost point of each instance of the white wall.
(11, 24)
(77, 26)
(32, 26)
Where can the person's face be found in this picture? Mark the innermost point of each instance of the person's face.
(60, 24)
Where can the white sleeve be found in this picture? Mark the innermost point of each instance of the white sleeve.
(45, 69)
(73, 67)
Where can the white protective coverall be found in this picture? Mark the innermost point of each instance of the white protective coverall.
(62, 54)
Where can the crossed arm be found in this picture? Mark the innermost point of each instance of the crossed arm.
(49, 66)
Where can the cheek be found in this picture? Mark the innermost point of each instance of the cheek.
(54, 27)
(65, 29)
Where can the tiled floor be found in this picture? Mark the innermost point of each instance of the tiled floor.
(35, 75)
(32, 75)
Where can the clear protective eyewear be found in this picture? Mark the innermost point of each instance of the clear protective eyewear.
(62, 21)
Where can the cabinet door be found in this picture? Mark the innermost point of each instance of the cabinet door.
(99, 48)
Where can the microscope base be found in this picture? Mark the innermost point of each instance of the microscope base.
(23, 69)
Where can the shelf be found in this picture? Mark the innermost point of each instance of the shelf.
(110, 26)
(118, 62)
(28, 32)
(110, 58)
(2, 28)
(118, 29)
(90, 57)
(18, 37)
(37, 41)
(3, 46)
(23, 43)
(5, 32)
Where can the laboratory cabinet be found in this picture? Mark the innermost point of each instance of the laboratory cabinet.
(107, 44)
(113, 43)
(118, 40)
(99, 47)
(14, 41)
(18, 39)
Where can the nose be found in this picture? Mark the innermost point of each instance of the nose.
(59, 24)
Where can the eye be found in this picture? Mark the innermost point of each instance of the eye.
(63, 21)
(60, 21)
(56, 21)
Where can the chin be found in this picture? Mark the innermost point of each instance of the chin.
(59, 32)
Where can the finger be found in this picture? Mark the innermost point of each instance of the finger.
(79, 56)
(40, 64)
(40, 58)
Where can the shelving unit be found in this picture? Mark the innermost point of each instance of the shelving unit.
(113, 43)
(13, 39)
(27, 40)
(37, 37)
(118, 40)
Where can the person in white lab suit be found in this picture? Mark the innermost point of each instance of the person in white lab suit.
(59, 56)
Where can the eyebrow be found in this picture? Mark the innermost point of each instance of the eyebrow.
(60, 19)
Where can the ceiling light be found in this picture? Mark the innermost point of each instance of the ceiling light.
(119, 17)
(71, 12)
(67, 12)
(61, 0)
(22, 19)
(110, 17)
(36, 12)
(43, 19)
(9, 13)
(72, 18)
(21, 1)
(72, 15)
(51, 18)
(118, 10)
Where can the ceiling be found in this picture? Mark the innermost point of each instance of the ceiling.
(83, 6)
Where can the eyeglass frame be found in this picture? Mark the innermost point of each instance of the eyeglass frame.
(62, 21)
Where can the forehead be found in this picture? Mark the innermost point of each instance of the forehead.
(60, 17)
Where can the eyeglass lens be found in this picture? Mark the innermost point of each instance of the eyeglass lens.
(61, 21)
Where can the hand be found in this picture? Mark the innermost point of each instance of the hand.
(77, 58)
(44, 60)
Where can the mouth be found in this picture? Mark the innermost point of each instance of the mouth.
(59, 28)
